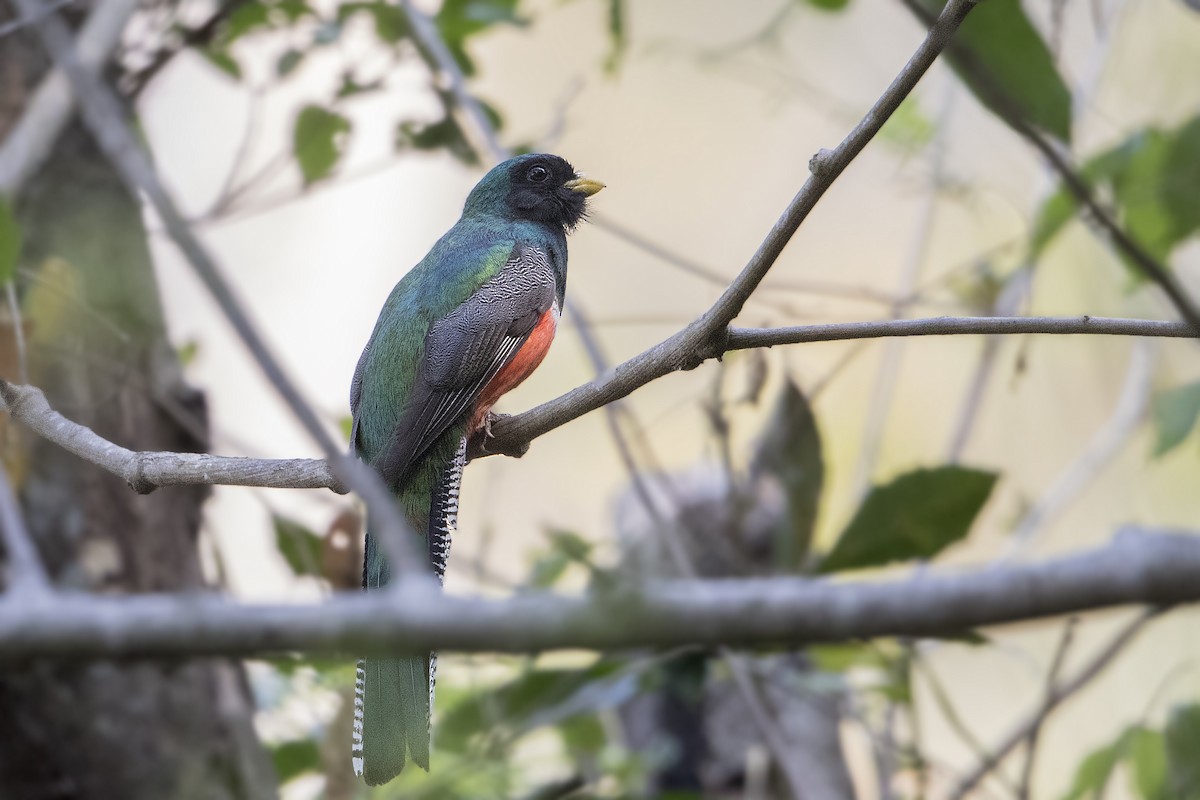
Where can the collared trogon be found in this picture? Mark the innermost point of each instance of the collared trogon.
(464, 326)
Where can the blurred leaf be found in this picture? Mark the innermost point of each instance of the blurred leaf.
(1175, 411)
(617, 41)
(841, 657)
(790, 452)
(299, 546)
(346, 426)
(1148, 759)
(390, 23)
(223, 61)
(583, 734)
(999, 55)
(188, 351)
(318, 141)
(245, 19)
(351, 87)
(908, 128)
(294, 9)
(513, 706)
(1183, 753)
(548, 569)
(10, 241)
(829, 5)
(436, 136)
(1153, 175)
(1093, 773)
(915, 516)
(458, 20)
(294, 758)
(288, 62)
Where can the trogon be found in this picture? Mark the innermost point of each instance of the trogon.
(468, 323)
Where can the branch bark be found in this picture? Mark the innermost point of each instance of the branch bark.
(1137, 567)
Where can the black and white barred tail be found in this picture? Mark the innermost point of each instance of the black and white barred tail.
(391, 721)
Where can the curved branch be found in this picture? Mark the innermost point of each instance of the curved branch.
(512, 435)
(145, 471)
(1137, 567)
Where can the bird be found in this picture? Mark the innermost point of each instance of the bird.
(468, 323)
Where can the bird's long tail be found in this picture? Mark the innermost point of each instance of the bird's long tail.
(393, 697)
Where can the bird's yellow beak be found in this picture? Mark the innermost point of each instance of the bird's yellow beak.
(585, 186)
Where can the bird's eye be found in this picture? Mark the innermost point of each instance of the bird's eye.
(538, 173)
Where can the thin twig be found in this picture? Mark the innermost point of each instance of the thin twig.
(1055, 698)
(1141, 567)
(106, 119)
(1031, 740)
(30, 142)
(1010, 112)
(26, 575)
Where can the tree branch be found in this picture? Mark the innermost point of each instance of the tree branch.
(31, 140)
(1137, 567)
(105, 118)
(25, 571)
(1076, 184)
(1055, 698)
(145, 471)
(512, 435)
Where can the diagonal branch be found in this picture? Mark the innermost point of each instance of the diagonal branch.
(145, 471)
(1137, 567)
(1011, 113)
(105, 118)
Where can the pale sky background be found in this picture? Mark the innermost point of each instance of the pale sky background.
(701, 152)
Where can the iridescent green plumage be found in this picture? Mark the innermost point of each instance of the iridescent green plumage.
(453, 324)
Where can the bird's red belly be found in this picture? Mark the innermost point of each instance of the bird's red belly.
(521, 367)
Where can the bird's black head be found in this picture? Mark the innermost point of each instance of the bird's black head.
(537, 187)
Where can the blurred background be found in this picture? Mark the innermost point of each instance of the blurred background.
(317, 152)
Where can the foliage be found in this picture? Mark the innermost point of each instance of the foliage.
(917, 515)
(10, 241)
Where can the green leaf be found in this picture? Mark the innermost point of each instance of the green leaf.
(1148, 759)
(829, 5)
(299, 546)
(1061, 207)
(1153, 175)
(318, 141)
(841, 657)
(10, 241)
(390, 23)
(999, 55)
(908, 128)
(288, 62)
(458, 20)
(1183, 745)
(293, 10)
(617, 39)
(915, 516)
(583, 735)
(224, 62)
(296, 757)
(790, 452)
(346, 426)
(1175, 412)
(512, 707)
(1094, 772)
(245, 18)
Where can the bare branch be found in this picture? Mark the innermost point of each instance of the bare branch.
(1055, 698)
(512, 435)
(1010, 111)
(48, 111)
(146, 471)
(26, 574)
(105, 118)
(1137, 567)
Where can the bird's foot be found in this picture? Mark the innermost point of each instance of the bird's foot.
(482, 442)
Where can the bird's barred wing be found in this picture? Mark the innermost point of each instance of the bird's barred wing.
(465, 350)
